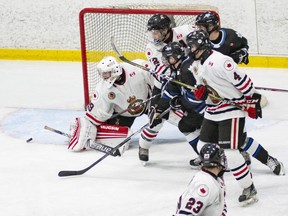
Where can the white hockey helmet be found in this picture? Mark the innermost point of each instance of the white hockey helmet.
(109, 69)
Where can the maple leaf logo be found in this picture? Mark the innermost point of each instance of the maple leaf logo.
(203, 190)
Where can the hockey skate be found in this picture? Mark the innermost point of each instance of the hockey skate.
(195, 163)
(143, 155)
(248, 196)
(246, 157)
(276, 166)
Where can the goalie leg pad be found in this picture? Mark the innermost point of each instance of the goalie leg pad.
(84, 131)
(112, 135)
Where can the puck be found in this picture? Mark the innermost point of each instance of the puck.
(29, 140)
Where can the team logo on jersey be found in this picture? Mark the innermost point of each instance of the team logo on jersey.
(203, 190)
(136, 106)
(111, 95)
(228, 65)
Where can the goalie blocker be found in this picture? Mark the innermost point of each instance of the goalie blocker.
(85, 135)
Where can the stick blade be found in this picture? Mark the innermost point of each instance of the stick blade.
(66, 173)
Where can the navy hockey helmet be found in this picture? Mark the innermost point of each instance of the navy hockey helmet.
(198, 40)
(172, 53)
(207, 18)
(211, 155)
(159, 22)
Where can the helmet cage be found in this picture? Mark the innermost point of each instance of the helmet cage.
(109, 64)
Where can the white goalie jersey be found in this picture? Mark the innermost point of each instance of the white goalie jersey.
(205, 196)
(106, 100)
(154, 55)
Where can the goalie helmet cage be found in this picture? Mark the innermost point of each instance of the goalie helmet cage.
(128, 25)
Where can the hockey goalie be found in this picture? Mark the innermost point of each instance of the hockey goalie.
(120, 97)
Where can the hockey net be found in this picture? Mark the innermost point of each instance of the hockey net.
(128, 25)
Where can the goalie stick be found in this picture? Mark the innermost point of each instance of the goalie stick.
(65, 173)
(170, 79)
(93, 145)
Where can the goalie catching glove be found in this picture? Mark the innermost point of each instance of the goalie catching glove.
(253, 106)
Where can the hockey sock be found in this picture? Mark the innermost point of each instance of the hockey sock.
(256, 150)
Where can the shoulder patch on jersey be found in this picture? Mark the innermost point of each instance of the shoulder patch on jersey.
(111, 95)
(228, 65)
(203, 190)
(148, 52)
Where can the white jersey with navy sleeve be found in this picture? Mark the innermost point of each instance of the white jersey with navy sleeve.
(107, 101)
(205, 196)
(154, 55)
(222, 74)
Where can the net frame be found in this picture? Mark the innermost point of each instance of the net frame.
(92, 55)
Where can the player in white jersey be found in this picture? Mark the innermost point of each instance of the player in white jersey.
(224, 118)
(205, 194)
(122, 85)
(228, 42)
(160, 33)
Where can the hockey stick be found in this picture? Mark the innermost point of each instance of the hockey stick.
(271, 89)
(96, 146)
(170, 79)
(65, 173)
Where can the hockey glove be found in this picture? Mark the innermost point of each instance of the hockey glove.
(253, 107)
(201, 92)
(240, 56)
(153, 117)
(175, 103)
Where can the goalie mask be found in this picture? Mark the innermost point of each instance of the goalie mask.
(196, 41)
(208, 20)
(109, 69)
(172, 53)
(158, 27)
(212, 155)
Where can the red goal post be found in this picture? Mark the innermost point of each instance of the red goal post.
(128, 25)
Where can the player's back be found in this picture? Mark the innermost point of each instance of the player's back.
(204, 196)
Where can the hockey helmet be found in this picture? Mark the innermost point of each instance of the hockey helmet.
(211, 155)
(197, 40)
(207, 19)
(157, 27)
(109, 69)
(172, 53)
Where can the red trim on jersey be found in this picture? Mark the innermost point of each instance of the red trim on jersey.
(245, 86)
(96, 121)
